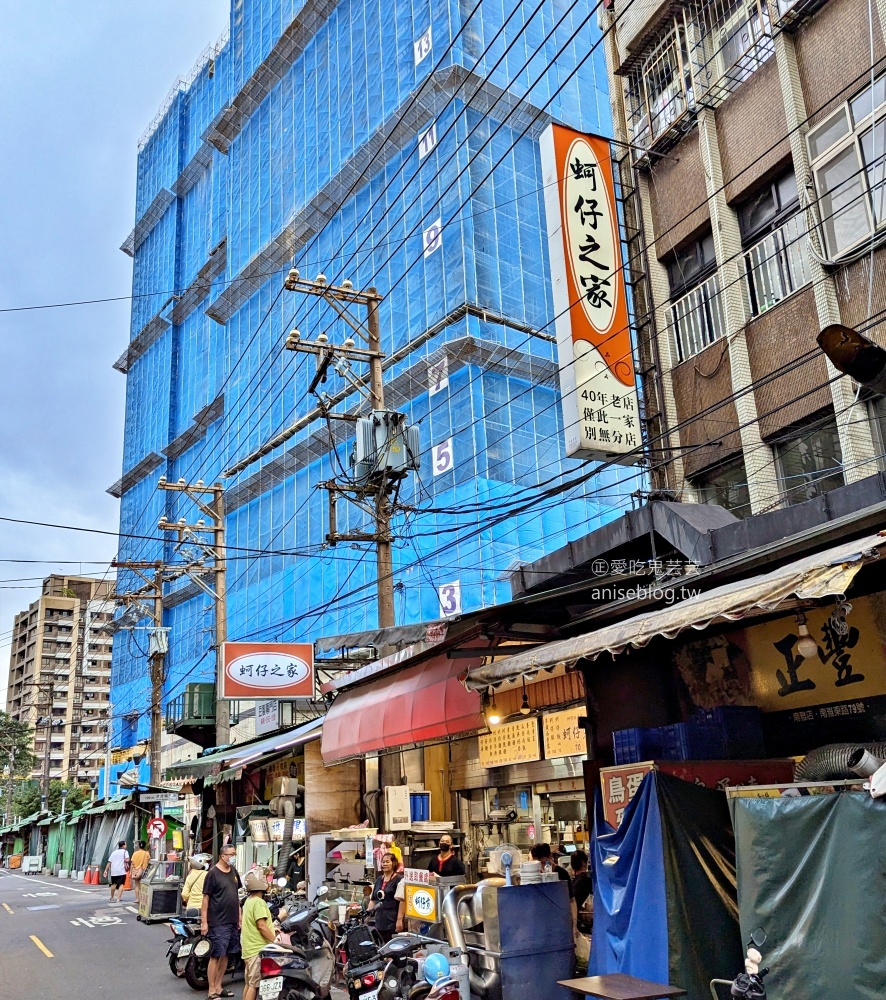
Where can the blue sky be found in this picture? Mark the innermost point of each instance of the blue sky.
(80, 81)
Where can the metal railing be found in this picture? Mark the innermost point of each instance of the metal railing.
(777, 266)
(698, 319)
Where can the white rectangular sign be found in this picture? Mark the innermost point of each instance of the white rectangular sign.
(267, 716)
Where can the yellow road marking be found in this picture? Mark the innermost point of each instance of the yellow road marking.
(42, 947)
(8, 908)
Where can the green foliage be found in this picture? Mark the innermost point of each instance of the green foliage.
(26, 798)
(16, 736)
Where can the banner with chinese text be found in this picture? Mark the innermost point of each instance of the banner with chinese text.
(597, 379)
(264, 670)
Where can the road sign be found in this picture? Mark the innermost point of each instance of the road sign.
(166, 798)
(157, 828)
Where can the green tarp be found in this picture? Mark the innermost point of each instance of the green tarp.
(811, 873)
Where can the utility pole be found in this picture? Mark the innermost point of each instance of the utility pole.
(210, 501)
(380, 475)
(9, 786)
(151, 591)
(48, 686)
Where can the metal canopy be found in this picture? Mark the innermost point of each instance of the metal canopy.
(235, 757)
(826, 574)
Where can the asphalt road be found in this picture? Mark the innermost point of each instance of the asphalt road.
(62, 940)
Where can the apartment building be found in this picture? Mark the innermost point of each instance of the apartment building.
(752, 140)
(60, 675)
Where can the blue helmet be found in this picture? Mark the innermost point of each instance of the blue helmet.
(436, 967)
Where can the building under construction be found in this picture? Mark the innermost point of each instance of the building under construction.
(391, 144)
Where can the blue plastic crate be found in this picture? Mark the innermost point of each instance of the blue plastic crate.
(633, 745)
(673, 742)
(739, 728)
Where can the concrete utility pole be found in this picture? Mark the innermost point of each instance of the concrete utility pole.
(340, 358)
(210, 501)
(9, 786)
(151, 591)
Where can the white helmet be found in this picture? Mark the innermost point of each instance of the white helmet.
(200, 861)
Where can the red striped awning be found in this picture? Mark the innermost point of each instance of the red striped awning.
(420, 703)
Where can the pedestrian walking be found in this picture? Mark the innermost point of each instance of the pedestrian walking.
(138, 866)
(220, 917)
(256, 932)
(117, 867)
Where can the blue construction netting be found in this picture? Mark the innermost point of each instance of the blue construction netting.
(297, 140)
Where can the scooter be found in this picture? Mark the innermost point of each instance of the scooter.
(406, 978)
(358, 958)
(747, 985)
(185, 934)
(300, 967)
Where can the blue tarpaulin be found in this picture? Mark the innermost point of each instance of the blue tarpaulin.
(665, 888)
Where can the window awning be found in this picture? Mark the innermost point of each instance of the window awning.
(231, 758)
(420, 703)
(825, 574)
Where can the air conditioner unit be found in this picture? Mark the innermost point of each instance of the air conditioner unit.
(397, 811)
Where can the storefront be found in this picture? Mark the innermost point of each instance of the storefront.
(757, 671)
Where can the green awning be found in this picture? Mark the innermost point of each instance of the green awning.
(112, 805)
(45, 822)
(263, 748)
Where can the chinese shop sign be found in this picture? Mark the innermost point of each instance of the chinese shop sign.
(513, 743)
(597, 380)
(260, 670)
(563, 735)
(848, 666)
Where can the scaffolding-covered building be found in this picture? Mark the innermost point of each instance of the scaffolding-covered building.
(393, 143)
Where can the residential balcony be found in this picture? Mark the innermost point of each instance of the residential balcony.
(702, 53)
(192, 714)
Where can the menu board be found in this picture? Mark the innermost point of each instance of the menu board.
(512, 743)
(563, 736)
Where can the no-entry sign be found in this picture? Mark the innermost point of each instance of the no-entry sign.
(157, 828)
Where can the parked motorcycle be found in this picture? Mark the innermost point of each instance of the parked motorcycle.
(188, 953)
(300, 967)
(185, 934)
(747, 985)
(357, 954)
(406, 978)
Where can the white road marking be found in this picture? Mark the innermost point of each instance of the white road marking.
(37, 881)
(133, 909)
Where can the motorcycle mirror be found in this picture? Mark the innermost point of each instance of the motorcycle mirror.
(282, 882)
(323, 891)
(758, 937)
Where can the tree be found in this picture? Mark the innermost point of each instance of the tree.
(16, 737)
(26, 799)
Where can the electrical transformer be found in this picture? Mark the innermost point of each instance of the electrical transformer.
(385, 447)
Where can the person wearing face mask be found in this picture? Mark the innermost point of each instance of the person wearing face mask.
(384, 903)
(446, 863)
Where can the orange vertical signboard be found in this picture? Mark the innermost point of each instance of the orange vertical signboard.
(597, 380)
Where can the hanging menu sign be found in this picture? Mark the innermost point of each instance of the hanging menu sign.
(563, 735)
(513, 743)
